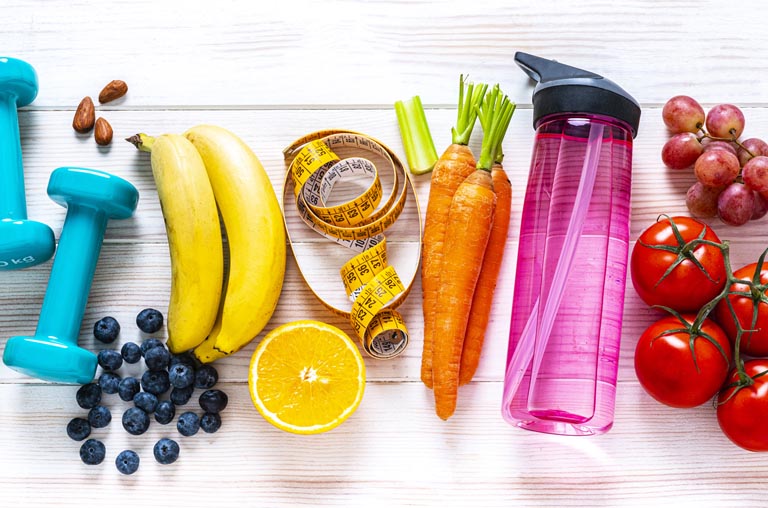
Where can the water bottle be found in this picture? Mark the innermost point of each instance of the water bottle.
(572, 260)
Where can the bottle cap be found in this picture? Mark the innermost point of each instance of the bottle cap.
(565, 89)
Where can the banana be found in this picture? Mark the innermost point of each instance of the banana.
(255, 234)
(194, 237)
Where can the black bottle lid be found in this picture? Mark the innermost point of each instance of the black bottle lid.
(565, 89)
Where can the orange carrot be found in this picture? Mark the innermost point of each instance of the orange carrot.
(453, 166)
(467, 233)
(468, 230)
(489, 273)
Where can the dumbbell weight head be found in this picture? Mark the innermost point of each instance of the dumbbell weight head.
(91, 197)
(89, 188)
(18, 79)
(23, 243)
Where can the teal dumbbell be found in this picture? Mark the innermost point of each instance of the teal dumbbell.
(92, 198)
(23, 242)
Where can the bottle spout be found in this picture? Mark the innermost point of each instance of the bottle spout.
(544, 70)
(562, 88)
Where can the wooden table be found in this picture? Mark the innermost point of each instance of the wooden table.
(272, 73)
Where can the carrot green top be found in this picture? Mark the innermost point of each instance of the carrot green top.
(467, 114)
(494, 112)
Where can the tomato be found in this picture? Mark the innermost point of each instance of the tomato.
(743, 415)
(665, 367)
(686, 288)
(752, 343)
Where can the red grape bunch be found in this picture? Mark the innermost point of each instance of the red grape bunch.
(731, 174)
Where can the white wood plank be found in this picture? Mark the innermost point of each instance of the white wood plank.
(392, 451)
(186, 53)
(132, 276)
(49, 142)
(272, 72)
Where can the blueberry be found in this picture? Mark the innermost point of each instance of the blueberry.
(181, 376)
(181, 396)
(127, 462)
(166, 451)
(213, 401)
(157, 358)
(149, 320)
(110, 359)
(109, 382)
(149, 344)
(99, 417)
(88, 395)
(210, 422)
(155, 382)
(188, 424)
(128, 387)
(135, 421)
(92, 452)
(165, 412)
(131, 352)
(106, 329)
(145, 401)
(78, 429)
(186, 358)
(206, 377)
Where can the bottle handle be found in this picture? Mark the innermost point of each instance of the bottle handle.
(544, 70)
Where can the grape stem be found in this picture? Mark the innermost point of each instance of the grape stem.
(731, 139)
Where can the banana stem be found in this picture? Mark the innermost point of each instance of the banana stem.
(142, 141)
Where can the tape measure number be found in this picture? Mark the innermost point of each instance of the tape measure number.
(372, 286)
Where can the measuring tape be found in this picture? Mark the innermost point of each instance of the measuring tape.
(373, 288)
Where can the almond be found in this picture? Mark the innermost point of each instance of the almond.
(114, 90)
(103, 132)
(85, 116)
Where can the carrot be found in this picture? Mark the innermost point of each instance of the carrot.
(489, 273)
(453, 166)
(468, 230)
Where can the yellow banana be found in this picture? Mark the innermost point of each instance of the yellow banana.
(255, 235)
(194, 237)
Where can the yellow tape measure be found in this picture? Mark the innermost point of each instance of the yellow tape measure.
(373, 288)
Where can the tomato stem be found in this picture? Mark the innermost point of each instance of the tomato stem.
(756, 292)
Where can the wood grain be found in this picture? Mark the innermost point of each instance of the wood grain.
(475, 459)
(376, 52)
(274, 72)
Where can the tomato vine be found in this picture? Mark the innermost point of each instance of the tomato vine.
(756, 292)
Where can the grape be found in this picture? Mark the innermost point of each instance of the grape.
(761, 206)
(755, 145)
(683, 114)
(681, 150)
(716, 168)
(755, 173)
(702, 200)
(710, 144)
(725, 121)
(736, 204)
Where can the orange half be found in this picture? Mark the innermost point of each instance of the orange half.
(306, 377)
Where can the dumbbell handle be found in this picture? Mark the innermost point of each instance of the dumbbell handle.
(13, 203)
(72, 273)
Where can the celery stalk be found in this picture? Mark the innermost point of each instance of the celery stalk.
(417, 140)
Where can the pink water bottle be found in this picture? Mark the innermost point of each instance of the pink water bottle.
(572, 260)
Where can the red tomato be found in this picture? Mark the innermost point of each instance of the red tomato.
(665, 367)
(743, 415)
(686, 288)
(752, 343)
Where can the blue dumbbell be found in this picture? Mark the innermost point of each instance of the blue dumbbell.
(23, 243)
(92, 198)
